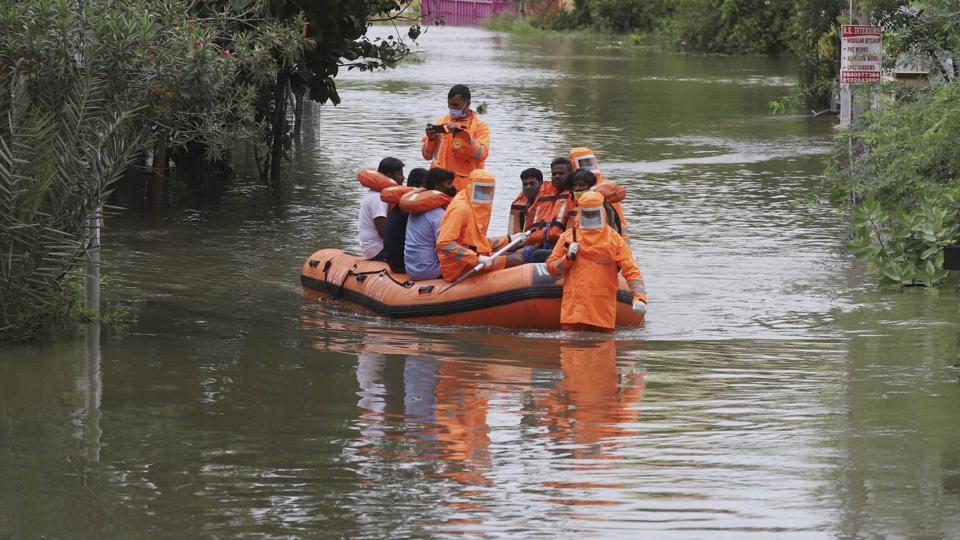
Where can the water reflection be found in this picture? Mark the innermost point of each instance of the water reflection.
(93, 393)
(435, 406)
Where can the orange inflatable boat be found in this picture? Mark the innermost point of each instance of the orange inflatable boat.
(520, 297)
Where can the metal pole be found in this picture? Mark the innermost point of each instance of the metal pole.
(846, 93)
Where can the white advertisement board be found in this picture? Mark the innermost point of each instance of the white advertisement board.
(860, 52)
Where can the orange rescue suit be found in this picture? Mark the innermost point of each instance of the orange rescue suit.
(463, 232)
(590, 285)
(583, 156)
(460, 153)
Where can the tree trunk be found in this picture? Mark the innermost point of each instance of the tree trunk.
(297, 114)
(160, 156)
(279, 125)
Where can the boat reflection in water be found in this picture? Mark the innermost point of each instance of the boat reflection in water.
(481, 407)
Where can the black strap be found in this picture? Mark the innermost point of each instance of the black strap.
(614, 220)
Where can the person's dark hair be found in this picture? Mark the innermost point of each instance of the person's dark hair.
(459, 90)
(389, 165)
(527, 173)
(417, 177)
(585, 176)
(561, 161)
(436, 176)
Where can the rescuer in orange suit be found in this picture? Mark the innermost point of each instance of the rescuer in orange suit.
(583, 158)
(459, 141)
(462, 242)
(589, 253)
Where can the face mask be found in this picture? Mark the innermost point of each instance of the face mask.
(457, 114)
(589, 163)
(482, 193)
(578, 194)
(591, 218)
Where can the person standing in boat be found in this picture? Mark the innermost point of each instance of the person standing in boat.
(589, 254)
(425, 209)
(373, 212)
(458, 141)
(462, 242)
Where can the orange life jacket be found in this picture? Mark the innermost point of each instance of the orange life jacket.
(422, 200)
(612, 192)
(548, 215)
(392, 195)
(518, 214)
(374, 180)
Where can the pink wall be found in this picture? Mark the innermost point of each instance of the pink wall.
(461, 12)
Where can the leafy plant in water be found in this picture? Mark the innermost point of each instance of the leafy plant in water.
(898, 174)
(54, 170)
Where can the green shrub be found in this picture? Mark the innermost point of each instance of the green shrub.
(898, 173)
(627, 15)
(731, 26)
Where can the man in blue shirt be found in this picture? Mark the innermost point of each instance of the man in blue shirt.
(420, 249)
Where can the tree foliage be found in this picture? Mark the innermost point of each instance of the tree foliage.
(627, 15)
(56, 167)
(86, 86)
(732, 26)
(927, 29)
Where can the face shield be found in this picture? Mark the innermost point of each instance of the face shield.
(591, 218)
(481, 193)
(588, 162)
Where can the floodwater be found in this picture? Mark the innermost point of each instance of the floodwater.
(774, 390)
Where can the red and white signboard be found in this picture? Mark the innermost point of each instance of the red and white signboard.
(860, 51)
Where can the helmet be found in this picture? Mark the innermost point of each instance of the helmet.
(482, 187)
(583, 158)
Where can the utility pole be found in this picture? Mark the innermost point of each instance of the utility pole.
(846, 91)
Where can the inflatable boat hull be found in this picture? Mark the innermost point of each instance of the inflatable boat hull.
(520, 297)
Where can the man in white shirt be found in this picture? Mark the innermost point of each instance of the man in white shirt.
(373, 213)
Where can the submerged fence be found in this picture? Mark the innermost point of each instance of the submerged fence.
(461, 12)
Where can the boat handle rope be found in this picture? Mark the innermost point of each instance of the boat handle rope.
(360, 277)
(405, 284)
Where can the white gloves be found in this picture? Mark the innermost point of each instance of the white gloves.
(639, 306)
(487, 262)
(572, 251)
(518, 236)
